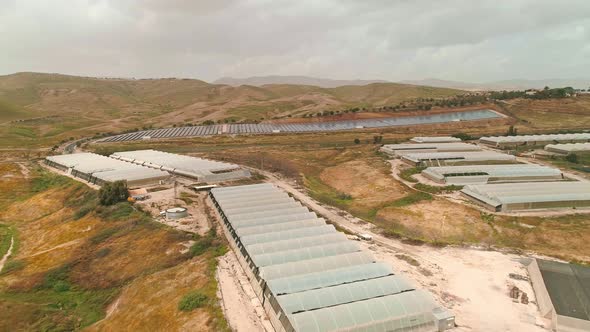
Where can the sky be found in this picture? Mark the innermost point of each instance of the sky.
(463, 40)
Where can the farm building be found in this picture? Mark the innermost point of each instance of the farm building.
(568, 148)
(480, 174)
(534, 140)
(563, 294)
(457, 158)
(197, 168)
(508, 197)
(309, 276)
(98, 169)
(435, 139)
(397, 150)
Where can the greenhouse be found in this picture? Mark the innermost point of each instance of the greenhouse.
(530, 195)
(534, 140)
(398, 150)
(98, 169)
(435, 139)
(457, 158)
(197, 168)
(480, 174)
(562, 292)
(568, 148)
(306, 272)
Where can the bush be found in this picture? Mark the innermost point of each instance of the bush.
(112, 193)
(357, 141)
(192, 301)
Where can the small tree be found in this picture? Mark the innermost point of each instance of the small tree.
(377, 139)
(511, 131)
(572, 158)
(112, 193)
(357, 141)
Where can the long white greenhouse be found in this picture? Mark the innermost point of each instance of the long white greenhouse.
(197, 168)
(529, 196)
(480, 174)
(568, 148)
(309, 276)
(98, 169)
(534, 140)
(435, 139)
(397, 150)
(457, 158)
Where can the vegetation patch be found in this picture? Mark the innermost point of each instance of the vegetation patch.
(192, 301)
(410, 199)
(437, 190)
(407, 173)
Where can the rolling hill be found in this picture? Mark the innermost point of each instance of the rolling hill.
(292, 80)
(40, 109)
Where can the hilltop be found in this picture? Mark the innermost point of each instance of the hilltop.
(38, 108)
(293, 80)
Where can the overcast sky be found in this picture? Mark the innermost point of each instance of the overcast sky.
(467, 40)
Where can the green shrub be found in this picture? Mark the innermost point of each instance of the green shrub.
(572, 158)
(412, 198)
(192, 301)
(112, 193)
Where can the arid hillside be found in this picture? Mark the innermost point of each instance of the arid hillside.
(47, 108)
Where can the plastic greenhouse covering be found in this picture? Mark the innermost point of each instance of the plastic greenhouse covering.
(301, 254)
(280, 226)
(305, 242)
(287, 235)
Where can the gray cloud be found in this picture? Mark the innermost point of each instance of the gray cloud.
(381, 39)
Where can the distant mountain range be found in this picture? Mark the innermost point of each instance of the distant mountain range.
(293, 80)
(515, 84)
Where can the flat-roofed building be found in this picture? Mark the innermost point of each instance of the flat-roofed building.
(562, 291)
(568, 148)
(534, 140)
(427, 159)
(309, 276)
(480, 174)
(397, 150)
(203, 170)
(509, 197)
(435, 139)
(98, 169)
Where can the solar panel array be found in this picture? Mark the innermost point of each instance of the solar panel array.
(312, 276)
(268, 128)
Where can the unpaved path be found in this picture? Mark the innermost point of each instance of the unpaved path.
(8, 253)
(241, 307)
(473, 283)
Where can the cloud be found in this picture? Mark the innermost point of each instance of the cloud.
(385, 39)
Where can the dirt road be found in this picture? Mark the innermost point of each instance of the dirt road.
(8, 253)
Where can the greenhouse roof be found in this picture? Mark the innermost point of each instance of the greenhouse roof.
(569, 147)
(467, 156)
(298, 243)
(528, 192)
(435, 139)
(279, 226)
(433, 146)
(345, 293)
(304, 253)
(397, 312)
(515, 170)
(534, 138)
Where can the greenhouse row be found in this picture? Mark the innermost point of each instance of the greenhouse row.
(309, 276)
(400, 149)
(480, 174)
(534, 140)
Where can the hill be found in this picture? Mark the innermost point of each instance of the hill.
(292, 80)
(43, 109)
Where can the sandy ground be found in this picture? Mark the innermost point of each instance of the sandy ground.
(8, 253)
(196, 222)
(472, 283)
(241, 306)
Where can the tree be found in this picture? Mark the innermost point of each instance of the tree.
(377, 139)
(112, 193)
(572, 158)
(357, 141)
(511, 131)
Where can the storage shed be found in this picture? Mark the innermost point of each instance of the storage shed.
(508, 197)
(310, 277)
(563, 294)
